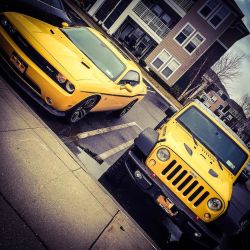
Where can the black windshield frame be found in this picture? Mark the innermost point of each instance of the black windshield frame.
(218, 156)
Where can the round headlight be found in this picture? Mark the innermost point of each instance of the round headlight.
(163, 154)
(61, 78)
(70, 87)
(214, 204)
(4, 22)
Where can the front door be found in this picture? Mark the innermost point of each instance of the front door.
(135, 39)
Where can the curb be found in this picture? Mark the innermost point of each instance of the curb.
(81, 165)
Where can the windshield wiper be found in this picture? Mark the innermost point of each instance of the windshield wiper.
(195, 141)
(219, 163)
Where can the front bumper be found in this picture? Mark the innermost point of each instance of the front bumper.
(39, 84)
(17, 79)
(180, 214)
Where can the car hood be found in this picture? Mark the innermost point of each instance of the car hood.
(199, 159)
(56, 48)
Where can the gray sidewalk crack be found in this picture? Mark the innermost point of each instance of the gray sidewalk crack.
(98, 237)
(24, 221)
(19, 129)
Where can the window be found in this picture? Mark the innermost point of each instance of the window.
(224, 97)
(204, 97)
(194, 43)
(226, 109)
(186, 32)
(157, 10)
(215, 12)
(207, 9)
(225, 149)
(170, 68)
(162, 58)
(213, 99)
(166, 19)
(219, 16)
(229, 117)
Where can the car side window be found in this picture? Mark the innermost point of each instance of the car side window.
(132, 77)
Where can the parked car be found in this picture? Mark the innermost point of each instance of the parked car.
(69, 70)
(188, 165)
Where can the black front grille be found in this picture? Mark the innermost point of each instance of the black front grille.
(185, 182)
(35, 56)
(30, 52)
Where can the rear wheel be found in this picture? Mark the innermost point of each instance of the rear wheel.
(121, 112)
(81, 110)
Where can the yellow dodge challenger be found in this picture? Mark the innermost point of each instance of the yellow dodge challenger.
(70, 70)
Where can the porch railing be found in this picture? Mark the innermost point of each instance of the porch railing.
(185, 4)
(152, 21)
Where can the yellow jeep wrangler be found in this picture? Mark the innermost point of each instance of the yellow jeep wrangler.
(188, 165)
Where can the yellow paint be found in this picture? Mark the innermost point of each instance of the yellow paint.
(196, 166)
(67, 59)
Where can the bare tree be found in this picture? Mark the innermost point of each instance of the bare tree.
(196, 74)
(245, 104)
(227, 68)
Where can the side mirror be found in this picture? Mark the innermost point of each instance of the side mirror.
(128, 87)
(170, 111)
(65, 25)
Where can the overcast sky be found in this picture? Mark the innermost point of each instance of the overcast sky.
(241, 85)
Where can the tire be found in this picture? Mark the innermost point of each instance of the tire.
(121, 112)
(81, 110)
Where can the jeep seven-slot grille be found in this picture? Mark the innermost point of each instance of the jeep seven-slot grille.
(185, 182)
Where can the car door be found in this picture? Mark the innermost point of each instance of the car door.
(124, 91)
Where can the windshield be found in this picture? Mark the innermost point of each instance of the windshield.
(210, 135)
(96, 51)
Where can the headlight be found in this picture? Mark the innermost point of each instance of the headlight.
(163, 154)
(214, 204)
(70, 87)
(4, 22)
(61, 78)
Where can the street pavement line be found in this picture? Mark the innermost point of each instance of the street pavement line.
(115, 150)
(105, 130)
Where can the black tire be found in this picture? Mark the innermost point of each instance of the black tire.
(121, 112)
(81, 110)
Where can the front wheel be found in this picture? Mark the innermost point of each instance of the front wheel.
(81, 110)
(121, 112)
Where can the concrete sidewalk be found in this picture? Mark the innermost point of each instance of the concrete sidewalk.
(47, 199)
